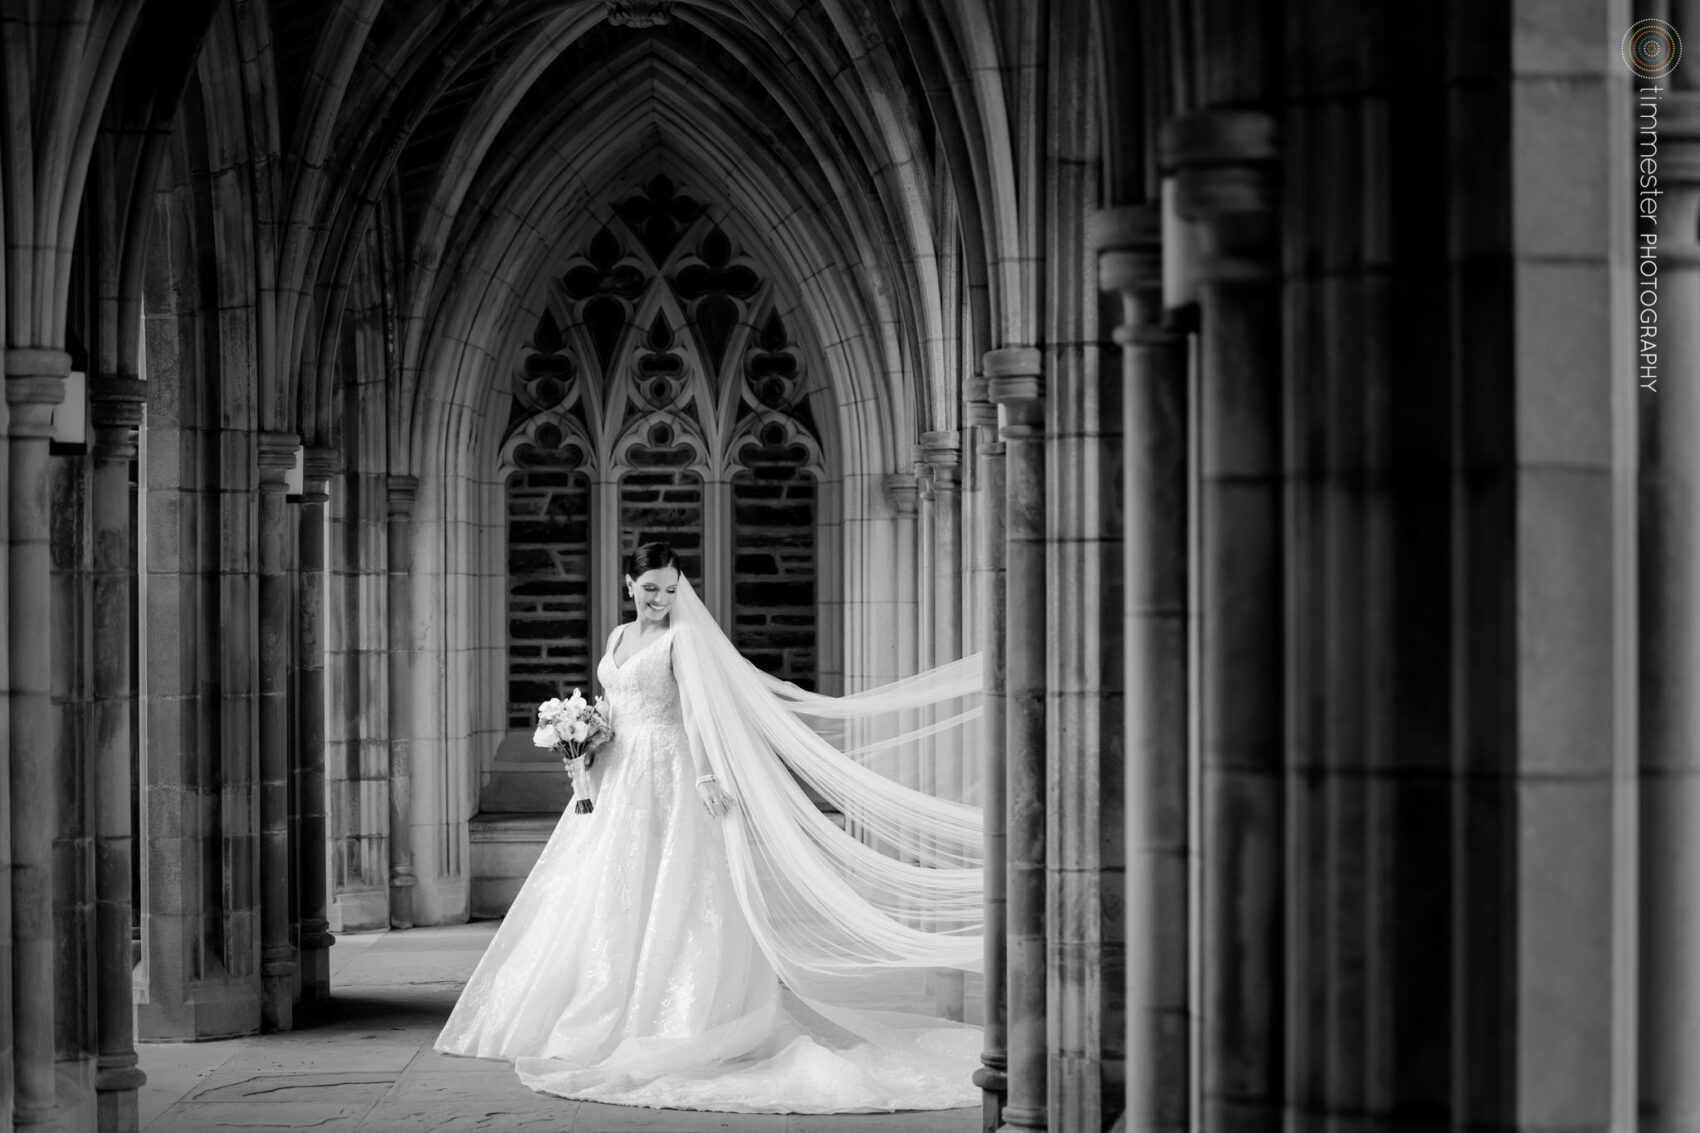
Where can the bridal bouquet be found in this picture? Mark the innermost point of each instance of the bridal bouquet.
(571, 727)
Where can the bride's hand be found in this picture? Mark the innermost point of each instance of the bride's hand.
(714, 800)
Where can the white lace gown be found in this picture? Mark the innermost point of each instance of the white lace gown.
(624, 971)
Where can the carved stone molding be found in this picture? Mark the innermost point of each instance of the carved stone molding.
(1129, 243)
(403, 490)
(640, 13)
(903, 490)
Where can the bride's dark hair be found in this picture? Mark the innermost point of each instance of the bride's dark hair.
(652, 556)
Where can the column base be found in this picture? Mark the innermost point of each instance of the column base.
(1017, 1118)
(401, 902)
(995, 1084)
(277, 990)
(119, 1072)
(277, 1003)
(117, 1111)
(315, 972)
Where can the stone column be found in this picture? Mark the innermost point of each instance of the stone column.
(319, 465)
(1155, 477)
(607, 566)
(1224, 164)
(942, 453)
(35, 383)
(718, 550)
(992, 1077)
(1669, 561)
(402, 492)
(904, 491)
(277, 954)
(1016, 383)
(116, 405)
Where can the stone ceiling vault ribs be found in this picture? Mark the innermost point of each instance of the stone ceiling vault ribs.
(512, 323)
(531, 192)
(843, 160)
(831, 92)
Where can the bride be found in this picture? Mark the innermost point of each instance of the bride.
(706, 938)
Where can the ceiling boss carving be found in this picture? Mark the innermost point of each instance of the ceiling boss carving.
(640, 13)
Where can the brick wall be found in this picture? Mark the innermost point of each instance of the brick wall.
(774, 565)
(661, 498)
(548, 589)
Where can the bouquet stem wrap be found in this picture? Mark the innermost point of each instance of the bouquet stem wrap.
(584, 784)
(573, 727)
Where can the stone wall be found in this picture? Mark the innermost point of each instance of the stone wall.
(548, 588)
(661, 498)
(774, 564)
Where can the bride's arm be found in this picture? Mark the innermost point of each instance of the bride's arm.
(714, 798)
(598, 745)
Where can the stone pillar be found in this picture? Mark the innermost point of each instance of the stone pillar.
(992, 1077)
(1669, 636)
(942, 453)
(718, 550)
(1015, 382)
(319, 464)
(1224, 164)
(35, 383)
(277, 953)
(1156, 536)
(116, 405)
(904, 491)
(607, 566)
(402, 492)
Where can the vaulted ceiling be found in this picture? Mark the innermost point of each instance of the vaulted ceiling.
(865, 142)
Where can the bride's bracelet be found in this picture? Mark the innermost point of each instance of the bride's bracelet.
(701, 779)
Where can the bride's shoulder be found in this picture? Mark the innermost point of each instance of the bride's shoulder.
(614, 637)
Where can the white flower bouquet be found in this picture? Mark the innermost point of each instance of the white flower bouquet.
(575, 727)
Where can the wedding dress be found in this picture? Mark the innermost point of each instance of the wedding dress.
(637, 965)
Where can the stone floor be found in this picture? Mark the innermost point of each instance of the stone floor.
(365, 1063)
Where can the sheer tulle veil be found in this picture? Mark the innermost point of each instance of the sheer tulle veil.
(831, 908)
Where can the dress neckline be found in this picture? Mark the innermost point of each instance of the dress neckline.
(620, 666)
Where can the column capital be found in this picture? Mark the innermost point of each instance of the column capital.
(923, 474)
(942, 447)
(277, 456)
(117, 402)
(402, 491)
(1226, 165)
(1015, 379)
(319, 464)
(1221, 140)
(903, 490)
(980, 412)
(116, 408)
(1129, 243)
(37, 362)
(35, 383)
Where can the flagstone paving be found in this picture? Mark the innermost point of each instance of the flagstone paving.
(363, 1062)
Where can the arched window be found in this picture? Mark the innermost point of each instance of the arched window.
(662, 396)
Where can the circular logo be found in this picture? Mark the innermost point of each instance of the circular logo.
(1652, 49)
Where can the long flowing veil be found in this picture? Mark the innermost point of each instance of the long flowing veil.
(829, 908)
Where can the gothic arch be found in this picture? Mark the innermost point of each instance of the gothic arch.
(662, 352)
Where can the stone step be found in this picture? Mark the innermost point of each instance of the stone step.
(505, 846)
